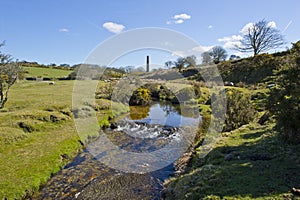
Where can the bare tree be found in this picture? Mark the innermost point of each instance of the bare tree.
(260, 36)
(9, 72)
(218, 54)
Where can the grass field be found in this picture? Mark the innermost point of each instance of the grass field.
(37, 135)
(45, 72)
(29, 155)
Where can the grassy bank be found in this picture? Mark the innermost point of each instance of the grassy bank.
(251, 162)
(33, 146)
(38, 136)
(248, 163)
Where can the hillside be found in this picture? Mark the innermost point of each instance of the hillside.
(256, 160)
(45, 72)
(253, 71)
(247, 163)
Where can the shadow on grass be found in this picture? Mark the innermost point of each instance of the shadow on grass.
(260, 168)
(254, 135)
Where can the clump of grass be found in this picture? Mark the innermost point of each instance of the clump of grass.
(9, 135)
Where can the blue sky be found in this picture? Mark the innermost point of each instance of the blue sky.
(66, 31)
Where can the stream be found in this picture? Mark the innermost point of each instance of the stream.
(146, 130)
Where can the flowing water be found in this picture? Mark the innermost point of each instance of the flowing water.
(146, 129)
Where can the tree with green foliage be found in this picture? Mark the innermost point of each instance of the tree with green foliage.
(9, 73)
(180, 63)
(169, 64)
(206, 58)
(284, 101)
(190, 61)
(259, 37)
(218, 54)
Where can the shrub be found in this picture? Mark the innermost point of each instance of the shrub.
(284, 101)
(239, 109)
(141, 96)
(154, 89)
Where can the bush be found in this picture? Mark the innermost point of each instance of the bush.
(284, 101)
(141, 96)
(159, 92)
(154, 89)
(239, 109)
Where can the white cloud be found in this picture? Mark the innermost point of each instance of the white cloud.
(272, 24)
(183, 16)
(210, 27)
(179, 53)
(63, 30)
(231, 42)
(179, 19)
(246, 28)
(113, 27)
(202, 49)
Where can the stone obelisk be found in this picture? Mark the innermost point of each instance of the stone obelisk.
(147, 64)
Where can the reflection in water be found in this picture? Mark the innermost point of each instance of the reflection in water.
(139, 112)
(164, 114)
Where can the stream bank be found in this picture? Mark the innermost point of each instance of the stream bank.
(88, 178)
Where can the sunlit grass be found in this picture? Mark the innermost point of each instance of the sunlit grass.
(261, 167)
(45, 72)
(38, 134)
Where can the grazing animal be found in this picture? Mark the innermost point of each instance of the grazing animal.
(52, 83)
